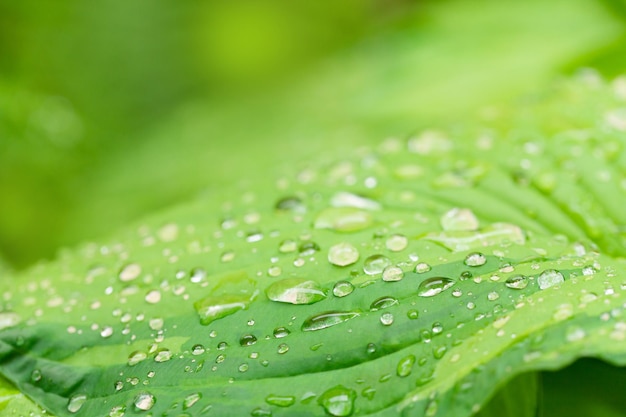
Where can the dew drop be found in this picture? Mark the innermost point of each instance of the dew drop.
(343, 254)
(338, 401)
(144, 401)
(163, 355)
(475, 259)
(327, 319)
(260, 412)
(291, 203)
(345, 199)
(343, 219)
(9, 319)
(106, 332)
(459, 219)
(117, 411)
(198, 275)
(433, 286)
(517, 282)
(492, 296)
(412, 314)
(383, 302)
(393, 273)
(153, 297)
(212, 308)
(281, 332)
(405, 366)
(129, 272)
(274, 271)
(549, 278)
(136, 357)
(376, 264)
(386, 319)
(280, 400)
(287, 246)
(247, 340)
(342, 289)
(308, 248)
(191, 399)
(243, 367)
(371, 348)
(422, 267)
(35, 376)
(197, 350)
(76, 402)
(397, 243)
(295, 291)
(283, 348)
(227, 256)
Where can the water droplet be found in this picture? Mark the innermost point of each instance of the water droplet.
(405, 366)
(439, 352)
(376, 264)
(327, 319)
(343, 219)
(274, 271)
(9, 319)
(247, 340)
(308, 248)
(459, 219)
(153, 297)
(393, 273)
(129, 272)
(191, 400)
(589, 270)
(386, 319)
(342, 288)
(212, 308)
(291, 203)
(345, 199)
(76, 402)
(412, 314)
(343, 254)
(517, 282)
(136, 357)
(197, 350)
(368, 393)
(163, 355)
(338, 401)
(280, 400)
(422, 267)
(437, 327)
(492, 296)
(383, 302)
(281, 332)
(35, 376)
(549, 278)
(433, 286)
(371, 348)
(144, 401)
(227, 256)
(243, 367)
(260, 412)
(287, 246)
(198, 275)
(222, 346)
(397, 243)
(295, 291)
(117, 411)
(283, 348)
(431, 408)
(475, 259)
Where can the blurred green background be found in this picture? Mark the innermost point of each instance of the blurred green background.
(112, 110)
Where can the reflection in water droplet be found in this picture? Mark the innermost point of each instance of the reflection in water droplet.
(144, 401)
(342, 288)
(106, 332)
(281, 332)
(117, 411)
(386, 319)
(191, 400)
(343, 254)
(433, 286)
(412, 314)
(212, 308)
(459, 219)
(343, 219)
(393, 273)
(327, 319)
(405, 366)
(375, 264)
(197, 350)
(247, 340)
(383, 302)
(475, 259)
(549, 278)
(76, 402)
(517, 282)
(280, 400)
(338, 401)
(295, 291)
(129, 272)
(492, 296)
(397, 243)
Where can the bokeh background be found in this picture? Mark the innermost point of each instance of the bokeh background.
(112, 110)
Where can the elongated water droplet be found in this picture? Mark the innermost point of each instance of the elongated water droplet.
(117, 411)
(191, 400)
(338, 401)
(375, 264)
(327, 319)
(345, 199)
(475, 259)
(212, 308)
(517, 282)
(342, 288)
(76, 403)
(459, 219)
(343, 219)
(433, 286)
(295, 291)
(136, 357)
(291, 203)
(397, 243)
(144, 401)
(383, 302)
(281, 332)
(393, 273)
(280, 400)
(343, 254)
(549, 278)
(163, 355)
(405, 366)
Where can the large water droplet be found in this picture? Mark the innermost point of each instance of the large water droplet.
(376, 264)
(327, 319)
(280, 400)
(343, 219)
(343, 254)
(76, 402)
(144, 401)
(459, 219)
(433, 286)
(130, 272)
(342, 288)
(517, 282)
(383, 302)
(295, 291)
(338, 401)
(549, 278)
(405, 366)
(212, 308)
(475, 259)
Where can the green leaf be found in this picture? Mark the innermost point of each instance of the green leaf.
(413, 278)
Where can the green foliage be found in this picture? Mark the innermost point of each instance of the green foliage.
(414, 277)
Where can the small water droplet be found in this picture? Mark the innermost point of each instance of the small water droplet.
(191, 400)
(343, 254)
(144, 401)
(227, 256)
(280, 400)
(393, 273)
(291, 203)
(327, 319)
(439, 352)
(549, 278)
(475, 259)
(342, 288)
(281, 332)
(76, 403)
(260, 412)
(343, 219)
(345, 199)
(274, 271)
(386, 319)
(163, 355)
(383, 302)
(9, 319)
(222, 346)
(433, 286)
(397, 243)
(247, 340)
(197, 350)
(129, 272)
(437, 327)
(117, 411)
(371, 348)
(35, 376)
(287, 246)
(295, 291)
(136, 357)
(589, 270)
(517, 282)
(308, 248)
(459, 219)
(243, 367)
(376, 264)
(422, 267)
(492, 296)
(412, 314)
(283, 348)
(405, 366)
(198, 275)
(338, 401)
(153, 297)
(106, 332)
